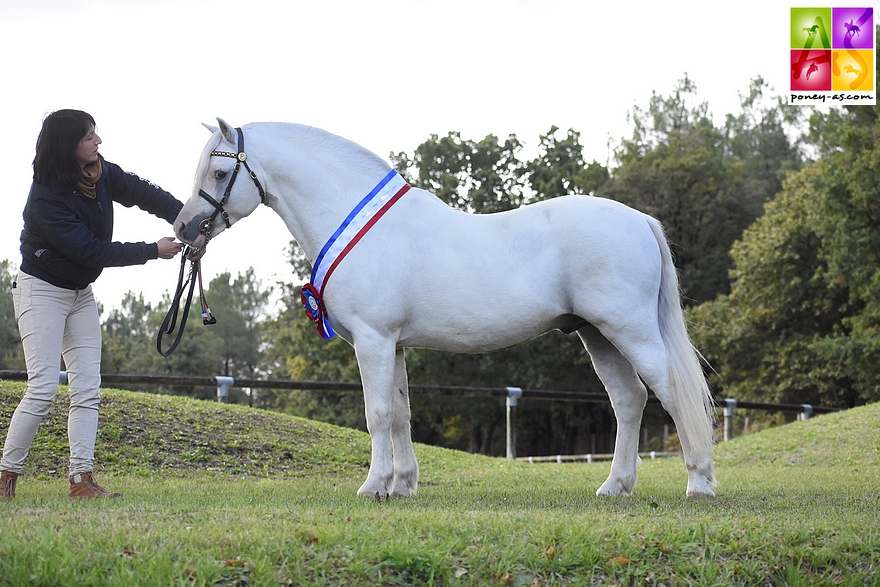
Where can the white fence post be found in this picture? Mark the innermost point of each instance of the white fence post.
(729, 406)
(223, 385)
(513, 394)
(808, 411)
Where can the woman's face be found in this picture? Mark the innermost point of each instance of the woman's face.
(87, 150)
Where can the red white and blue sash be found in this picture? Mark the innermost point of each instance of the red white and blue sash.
(352, 229)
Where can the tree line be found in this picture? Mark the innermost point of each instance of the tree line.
(772, 216)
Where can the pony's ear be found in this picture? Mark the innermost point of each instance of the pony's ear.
(227, 130)
(211, 128)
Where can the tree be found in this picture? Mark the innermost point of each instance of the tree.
(230, 347)
(706, 186)
(802, 319)
(10, 340)
(851, 248)
(129, 336)
(552, 361)
(476, 176)
(758, 141)
(294, 350)
(762, 338)
(560, 168)
(242, 302)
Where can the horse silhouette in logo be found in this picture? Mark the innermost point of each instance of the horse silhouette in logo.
(813, 69)
(851, 29)
(851, 69)
(812, 30)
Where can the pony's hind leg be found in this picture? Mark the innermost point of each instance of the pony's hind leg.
(676, 379)
(406, 467)
(628, 397)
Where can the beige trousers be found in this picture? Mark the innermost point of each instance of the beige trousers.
(56, 323)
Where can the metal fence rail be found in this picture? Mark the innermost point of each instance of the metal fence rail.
(512, 394)
(590, 458)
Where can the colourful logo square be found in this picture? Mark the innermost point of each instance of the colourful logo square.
(810, 71)
(810, 28)
(853, 70)
(853, 28)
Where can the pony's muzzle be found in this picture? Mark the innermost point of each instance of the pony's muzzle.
(191, 232)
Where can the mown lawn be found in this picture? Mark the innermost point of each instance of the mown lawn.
(224, 495)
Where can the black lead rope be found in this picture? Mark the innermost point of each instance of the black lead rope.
(170, 322)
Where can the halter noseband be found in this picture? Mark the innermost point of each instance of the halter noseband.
(206, 226)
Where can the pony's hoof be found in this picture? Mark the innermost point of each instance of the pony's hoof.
(701, 479)
(405, 485)
(402, 491)
(370, 489)
(613, 487)
(700, 490)
(704, 494)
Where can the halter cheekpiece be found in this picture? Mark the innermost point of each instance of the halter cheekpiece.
(206, 226)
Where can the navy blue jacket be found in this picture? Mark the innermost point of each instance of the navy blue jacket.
(67, 236)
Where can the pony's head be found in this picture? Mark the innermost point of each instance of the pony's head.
(218, 201)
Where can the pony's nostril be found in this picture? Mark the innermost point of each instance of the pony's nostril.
(180, 230)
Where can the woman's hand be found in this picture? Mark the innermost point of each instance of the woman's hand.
(168, 247)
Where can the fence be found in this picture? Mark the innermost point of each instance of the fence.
(513, 395)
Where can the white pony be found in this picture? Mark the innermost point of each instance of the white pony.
(418, 273)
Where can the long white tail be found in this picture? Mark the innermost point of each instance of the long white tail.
(690, 389)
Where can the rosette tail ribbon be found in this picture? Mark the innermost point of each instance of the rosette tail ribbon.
(364, 216)
(314, 306)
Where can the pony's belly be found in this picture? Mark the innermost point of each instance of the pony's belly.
(483, 336)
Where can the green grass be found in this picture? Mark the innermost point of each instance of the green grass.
(225, 495)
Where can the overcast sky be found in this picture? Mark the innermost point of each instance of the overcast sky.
(386, 74)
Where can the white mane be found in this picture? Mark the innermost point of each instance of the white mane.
(326, 146)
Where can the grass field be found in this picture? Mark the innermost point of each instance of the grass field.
(226, 495)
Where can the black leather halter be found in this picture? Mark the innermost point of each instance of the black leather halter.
(206, 226)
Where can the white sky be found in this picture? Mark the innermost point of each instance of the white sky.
(385, 73)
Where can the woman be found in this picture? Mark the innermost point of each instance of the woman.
(65, 244)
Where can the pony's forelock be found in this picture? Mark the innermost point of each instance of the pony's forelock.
(210, 146)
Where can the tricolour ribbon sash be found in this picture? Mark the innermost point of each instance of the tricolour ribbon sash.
(353, 228)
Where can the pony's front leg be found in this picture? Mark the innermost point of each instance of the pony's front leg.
(375, 357)
(406, 467)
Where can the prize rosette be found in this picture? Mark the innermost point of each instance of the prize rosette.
(314, 307)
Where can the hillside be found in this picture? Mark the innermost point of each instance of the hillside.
(850, 437)
(142, 433)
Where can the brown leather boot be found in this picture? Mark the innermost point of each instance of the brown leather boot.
(7, 484)
(84, 486)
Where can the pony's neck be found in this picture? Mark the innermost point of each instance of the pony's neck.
(318, 179)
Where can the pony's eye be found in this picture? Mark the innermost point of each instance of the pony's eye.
(219, 174)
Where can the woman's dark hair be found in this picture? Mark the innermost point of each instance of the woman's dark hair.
(55, 161)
